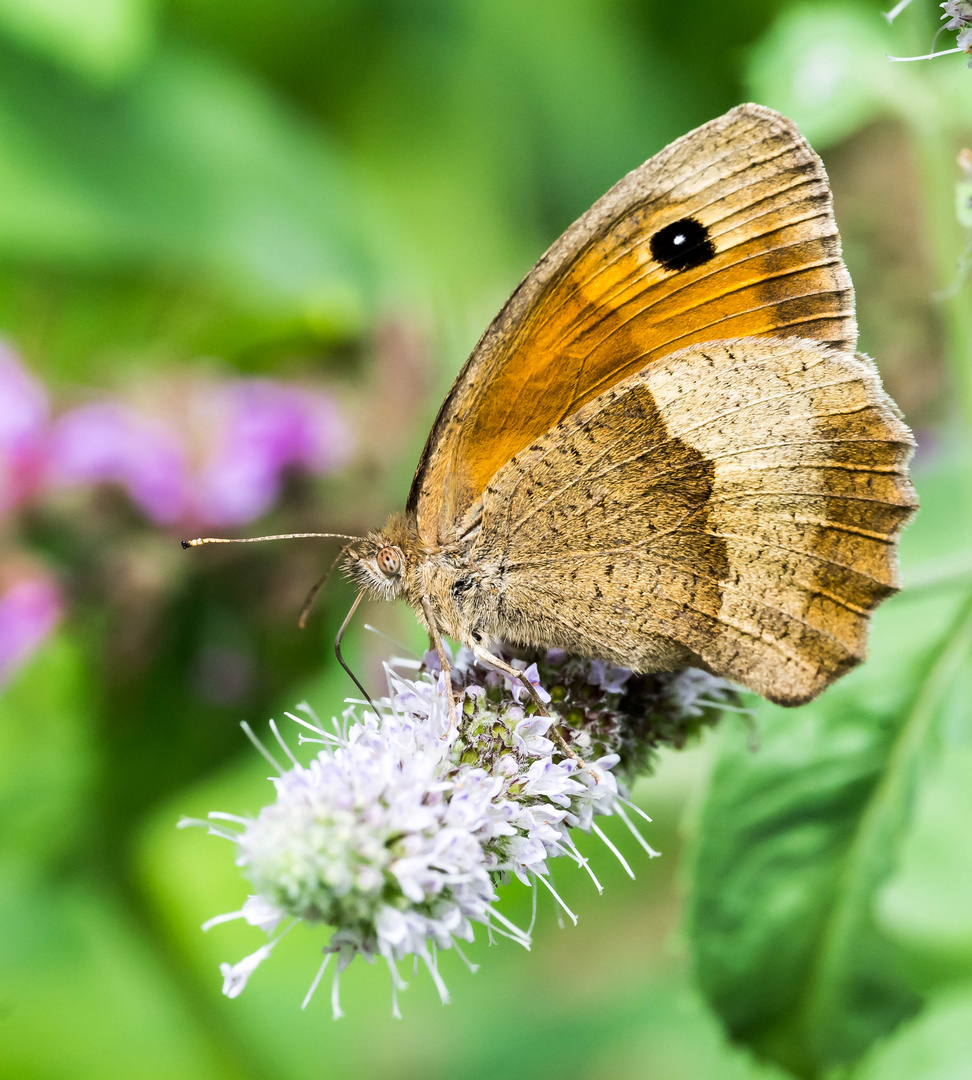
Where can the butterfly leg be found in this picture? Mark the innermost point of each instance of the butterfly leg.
(485, 656)
(443, 661)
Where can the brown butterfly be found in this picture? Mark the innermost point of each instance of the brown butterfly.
(664, 451)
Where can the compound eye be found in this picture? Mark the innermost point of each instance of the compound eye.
(389, 561)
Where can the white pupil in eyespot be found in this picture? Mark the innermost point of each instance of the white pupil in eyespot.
(680, 239)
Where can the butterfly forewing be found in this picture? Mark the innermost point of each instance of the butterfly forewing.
(726, 233)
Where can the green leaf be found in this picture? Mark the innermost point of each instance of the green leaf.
(825, 66)
(935, 1046)
(927, 905)
(794, 843)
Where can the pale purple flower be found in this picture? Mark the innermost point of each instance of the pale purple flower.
(24, 411)
(235, 975)
(398, 833)
(964, 42)
(609, 678)
(256, 911)
(29, 611)
(958, 14)
(520, 692)
(529, 735)
(692, 691)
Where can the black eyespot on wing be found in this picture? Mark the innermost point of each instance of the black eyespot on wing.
(682, 245)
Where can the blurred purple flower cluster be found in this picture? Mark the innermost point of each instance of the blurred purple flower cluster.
(199, 454)
(215, 459)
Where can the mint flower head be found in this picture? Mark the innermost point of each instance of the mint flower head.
(959, 16)
(399, 832)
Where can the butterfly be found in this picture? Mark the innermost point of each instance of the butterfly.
(664, 452)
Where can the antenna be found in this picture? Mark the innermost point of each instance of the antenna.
(200, 540)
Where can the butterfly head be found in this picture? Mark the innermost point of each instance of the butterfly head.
(379, 564)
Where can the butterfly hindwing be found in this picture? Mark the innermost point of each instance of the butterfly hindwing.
(734, 504)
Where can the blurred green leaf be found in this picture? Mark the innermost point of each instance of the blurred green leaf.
(83, 996)
(927, 905)
(47, 756)
(935, 1046)
(191, 168)
(101, 40)
(794, 843)
(490, 127)
(826, 66)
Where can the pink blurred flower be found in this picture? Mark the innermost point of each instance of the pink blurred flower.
(23, 423)
(261, 429)
(29, 611)
(196, 452)
(109, 442)
(243, 433)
